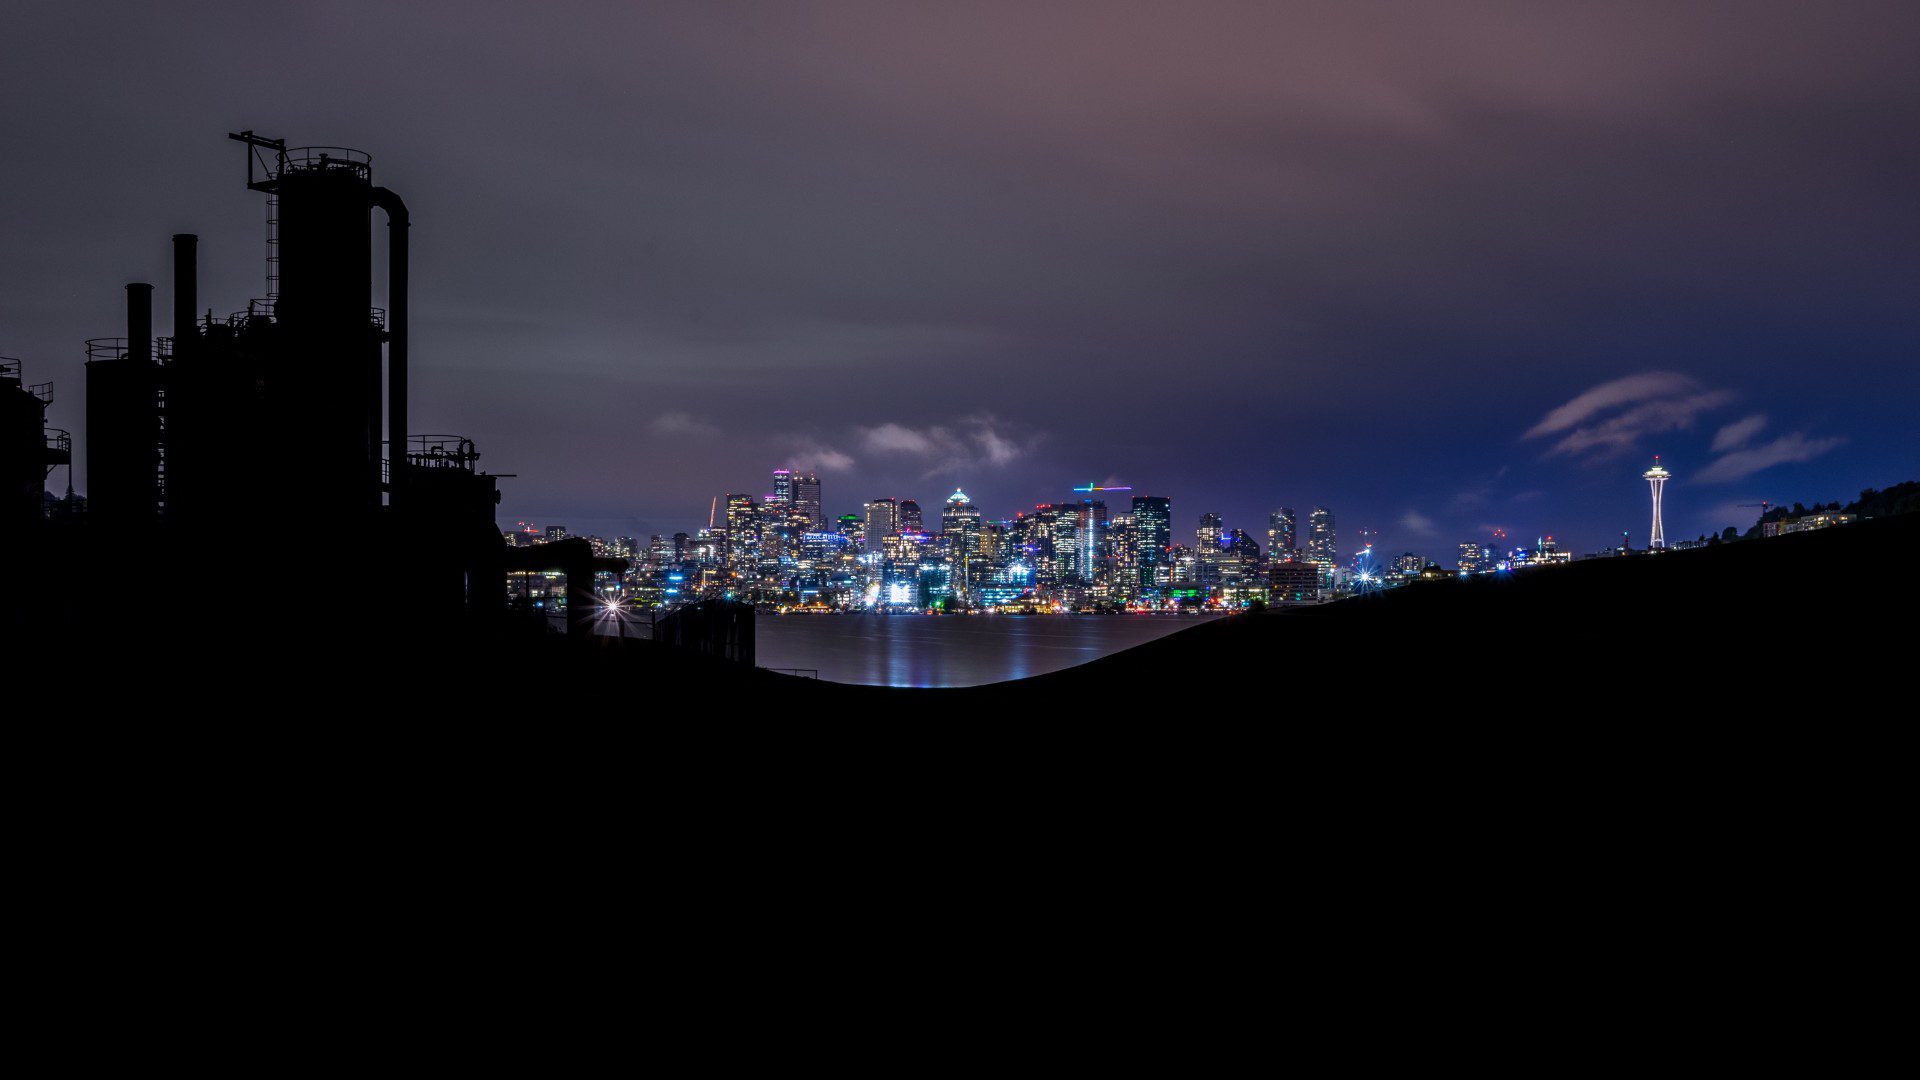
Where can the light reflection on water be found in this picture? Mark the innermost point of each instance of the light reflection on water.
(949, 650)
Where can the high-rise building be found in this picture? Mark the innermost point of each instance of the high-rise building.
(1207, 551)
(782, 495)
(805, 500)
(883, 520)
(1283, 541)
(910, 517)
(1208, 534)
(1152, 536)
(1121, 546)
(960, 525)
(743, 535)
(1090, 540)
(1239, 567)
(1321, 547)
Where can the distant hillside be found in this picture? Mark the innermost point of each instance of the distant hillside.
(1898, 499)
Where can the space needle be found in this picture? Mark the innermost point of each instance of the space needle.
(1656, 477)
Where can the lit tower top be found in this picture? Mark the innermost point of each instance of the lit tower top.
(1656, 478)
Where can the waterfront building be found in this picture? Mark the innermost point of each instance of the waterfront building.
(1120, 544)
(960, 527)
(1152, 536)
(1090, 541)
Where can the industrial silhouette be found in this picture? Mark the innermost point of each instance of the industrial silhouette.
(222, 457)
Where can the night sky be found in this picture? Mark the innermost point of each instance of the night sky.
(1439, 266)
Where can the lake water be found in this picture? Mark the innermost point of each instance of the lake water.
(949, 650)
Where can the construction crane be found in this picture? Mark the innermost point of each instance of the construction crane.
(1093, 487)
(1763, 506)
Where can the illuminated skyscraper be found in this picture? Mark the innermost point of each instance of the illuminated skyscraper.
(1283, 540)
(1152, 536)
(743, 535)
(804, 500)
(883, 520)
(1656, 478)
(1208, 534)
(960, 524)
(910, 516)
(1090, 540)
(1208, 554)
(1320, 538)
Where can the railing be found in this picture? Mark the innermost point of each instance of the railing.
(266, 307)
(9, 368)
(316, 158)
(43, 391)
(60, 442)
(257, 308)
(115, 348)
(441, 452)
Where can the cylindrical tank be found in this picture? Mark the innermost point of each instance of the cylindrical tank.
(322, 383)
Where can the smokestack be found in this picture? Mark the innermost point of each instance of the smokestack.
(186, 289)
(140, 321)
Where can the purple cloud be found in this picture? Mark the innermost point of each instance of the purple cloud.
(1785, 449)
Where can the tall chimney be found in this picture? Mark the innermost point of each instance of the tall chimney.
(186, 290)
(140, 321)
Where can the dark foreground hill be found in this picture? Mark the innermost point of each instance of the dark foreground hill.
(1751, 628)
(1594, 807)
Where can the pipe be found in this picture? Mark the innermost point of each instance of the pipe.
(397, 225)
(186, 290)
(140, 321)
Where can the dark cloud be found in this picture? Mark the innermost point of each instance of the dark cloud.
(1241, 254)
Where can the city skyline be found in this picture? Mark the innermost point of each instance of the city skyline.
(1428, 542)
(1446, 270)
(1073, 556)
